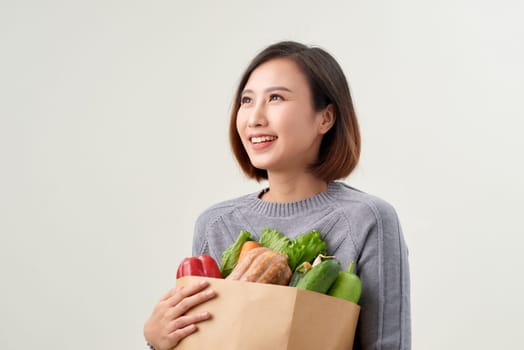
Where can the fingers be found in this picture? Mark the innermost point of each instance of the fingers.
(187, 321)
(189, 302)
(184, 326)
(169, 323)
(176, 336)
(184, 292)
(170, 293)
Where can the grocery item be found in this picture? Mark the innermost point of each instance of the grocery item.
(202, 265)
(300, 272)
(246, 247)
(303, 248)
(262, 265)
(229, 256)
(347, 286)
(321, 277)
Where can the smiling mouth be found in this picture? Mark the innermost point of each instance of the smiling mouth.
(261, 139)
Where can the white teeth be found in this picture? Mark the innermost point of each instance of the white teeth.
(260, 139)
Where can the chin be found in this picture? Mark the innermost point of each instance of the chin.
(261, 165)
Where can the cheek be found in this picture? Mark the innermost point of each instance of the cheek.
(299, 122)
(240, 123)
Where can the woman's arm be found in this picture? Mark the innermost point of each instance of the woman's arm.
(385, 321)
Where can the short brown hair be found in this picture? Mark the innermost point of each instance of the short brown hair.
(340, 147)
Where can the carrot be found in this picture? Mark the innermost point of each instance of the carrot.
(246, 247)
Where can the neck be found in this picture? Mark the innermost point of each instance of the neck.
(285, 188)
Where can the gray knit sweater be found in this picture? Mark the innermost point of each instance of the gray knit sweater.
(356, 226)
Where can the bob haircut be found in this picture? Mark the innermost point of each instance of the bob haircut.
(340, 147)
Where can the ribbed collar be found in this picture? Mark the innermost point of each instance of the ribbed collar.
(294, 208)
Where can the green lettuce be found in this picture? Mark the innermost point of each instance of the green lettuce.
(229, 256)
(274, 240)
(305, 247)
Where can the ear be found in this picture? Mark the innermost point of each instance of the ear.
(327, 120)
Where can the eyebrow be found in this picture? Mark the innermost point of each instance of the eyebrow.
(269, 89)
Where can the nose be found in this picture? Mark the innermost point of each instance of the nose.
(257, 117)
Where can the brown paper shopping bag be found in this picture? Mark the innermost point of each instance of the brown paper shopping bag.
(256, 316)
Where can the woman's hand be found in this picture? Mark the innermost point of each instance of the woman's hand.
(168, 324)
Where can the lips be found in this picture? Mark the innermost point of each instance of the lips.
(261, 142)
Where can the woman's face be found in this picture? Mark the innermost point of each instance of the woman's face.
(276, 121)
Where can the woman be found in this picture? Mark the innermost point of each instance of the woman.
(293, 123)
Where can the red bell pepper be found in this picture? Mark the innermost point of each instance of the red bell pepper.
(202, 265)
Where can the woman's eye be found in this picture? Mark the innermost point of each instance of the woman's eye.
(275, 98)
(245, 100)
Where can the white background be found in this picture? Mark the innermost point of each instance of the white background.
(113, 138)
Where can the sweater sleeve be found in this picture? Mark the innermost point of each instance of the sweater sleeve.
(382, 264)
(211, 235)
(200, 245)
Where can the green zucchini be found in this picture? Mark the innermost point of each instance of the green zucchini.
(320, 277)
(300, 272)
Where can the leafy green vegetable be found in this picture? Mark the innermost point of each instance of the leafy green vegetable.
(304, 248)
(229, 256)
(274, 240)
